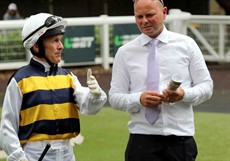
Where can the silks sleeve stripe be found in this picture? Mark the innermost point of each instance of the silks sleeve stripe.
(40, 137)
(48, 112)
(47, 97)
(49, 127)
(34, 83)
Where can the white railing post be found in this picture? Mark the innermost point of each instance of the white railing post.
(179, 24)
(221, 41)
(105, 42)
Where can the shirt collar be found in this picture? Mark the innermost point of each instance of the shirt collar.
(162, 37)
(44, 64)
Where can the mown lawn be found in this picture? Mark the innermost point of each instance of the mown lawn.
(106, 136)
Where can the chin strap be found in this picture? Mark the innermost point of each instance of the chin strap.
(41, 54)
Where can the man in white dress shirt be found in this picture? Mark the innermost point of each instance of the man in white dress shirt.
(170, 137)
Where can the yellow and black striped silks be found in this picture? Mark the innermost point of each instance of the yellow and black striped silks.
(48, 110)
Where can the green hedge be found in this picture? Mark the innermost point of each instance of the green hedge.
(11, 48)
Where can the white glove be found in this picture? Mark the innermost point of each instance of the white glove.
(24, 159)
(92, 84)
(78, 140)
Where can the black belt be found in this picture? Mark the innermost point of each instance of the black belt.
(163, 137)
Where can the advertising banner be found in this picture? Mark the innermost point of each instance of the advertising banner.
(79, 44)
(123, 34)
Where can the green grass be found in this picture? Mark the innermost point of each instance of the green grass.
(213, 136)
(106, 135)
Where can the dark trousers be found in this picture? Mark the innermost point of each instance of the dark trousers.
(160, 148)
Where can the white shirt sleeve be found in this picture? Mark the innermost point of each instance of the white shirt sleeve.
(87, 103)
(202, 84)
(10, 122)
(120, 96)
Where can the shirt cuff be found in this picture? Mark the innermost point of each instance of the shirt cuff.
(135, 103)
(16, 155)
(187, 95)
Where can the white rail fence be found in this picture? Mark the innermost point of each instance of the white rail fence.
(212, 33)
